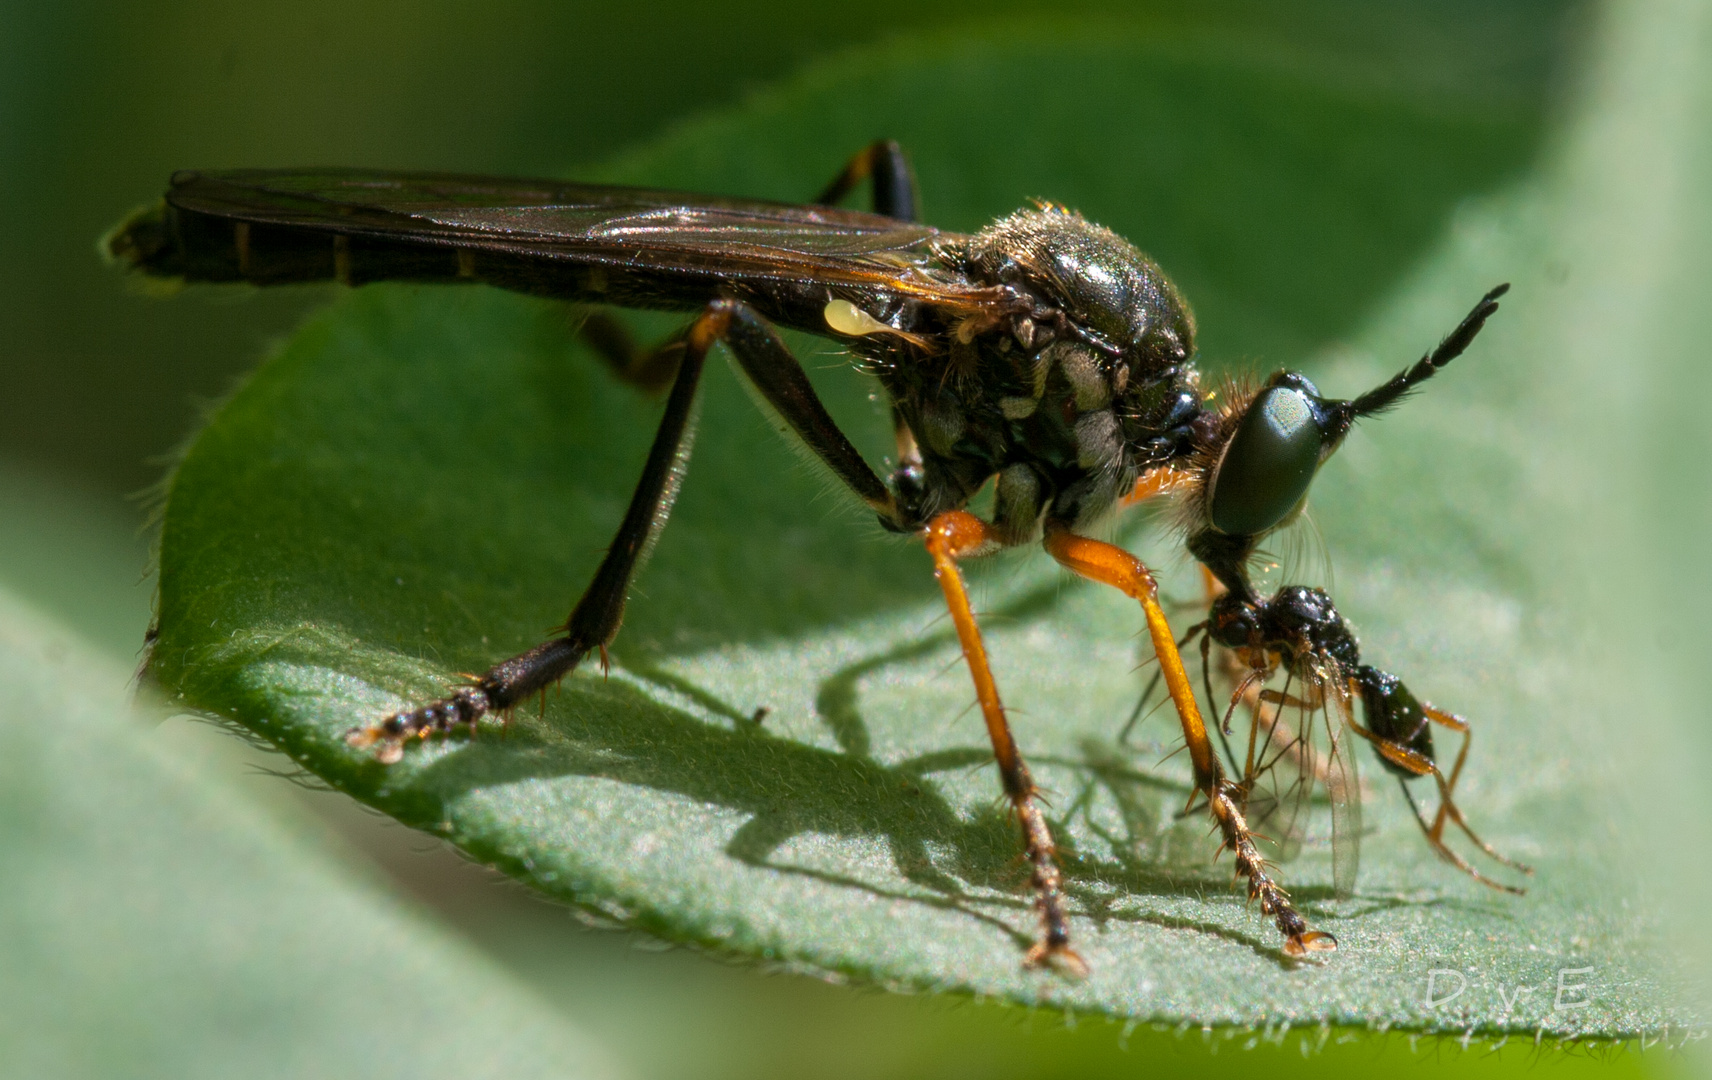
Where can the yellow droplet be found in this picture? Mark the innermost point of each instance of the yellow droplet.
(846, 318)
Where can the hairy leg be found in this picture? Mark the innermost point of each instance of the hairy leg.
(1111, 565)
(956, 535)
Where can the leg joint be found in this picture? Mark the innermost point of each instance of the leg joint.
(958, 534)
(714, 324)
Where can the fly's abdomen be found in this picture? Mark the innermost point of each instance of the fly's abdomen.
(171, 242)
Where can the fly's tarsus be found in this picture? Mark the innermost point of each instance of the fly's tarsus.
(503, 687)
(1299, 940)
(464, 707)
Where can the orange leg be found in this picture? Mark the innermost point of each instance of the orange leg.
(1111, 565)
(1447, 787)
(955, 535)
(1153, 482)
(1421, 765)
(1455, 723)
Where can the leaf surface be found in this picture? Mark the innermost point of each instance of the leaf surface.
(154, 921)
(422, 479)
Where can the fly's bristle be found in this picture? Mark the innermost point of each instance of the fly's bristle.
(1229, 400)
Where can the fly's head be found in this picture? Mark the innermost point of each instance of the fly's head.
(1255, 459)
(1257, 454)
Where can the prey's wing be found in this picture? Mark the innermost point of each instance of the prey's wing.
(594, 224)
(1282, 770)
(1343, 786)
(1302, 743)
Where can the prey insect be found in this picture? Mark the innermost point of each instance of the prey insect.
(1043, 354)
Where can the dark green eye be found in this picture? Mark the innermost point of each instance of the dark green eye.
(1269, 463)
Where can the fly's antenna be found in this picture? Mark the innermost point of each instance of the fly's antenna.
(1388, 394)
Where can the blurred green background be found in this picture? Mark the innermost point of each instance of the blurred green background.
(100, 102)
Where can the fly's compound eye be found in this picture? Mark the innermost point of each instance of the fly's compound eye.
(1270, 461)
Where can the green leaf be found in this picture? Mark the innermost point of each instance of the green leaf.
(420, 482)
(154, 922)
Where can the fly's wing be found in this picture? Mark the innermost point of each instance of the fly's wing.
(626, 229)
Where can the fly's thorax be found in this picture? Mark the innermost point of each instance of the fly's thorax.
(1066, 428)
(1074, 393)
(1094, 425)
(1084, 282)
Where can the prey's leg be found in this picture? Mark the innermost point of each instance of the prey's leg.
(1111, 565)
(883, 164)
(954, 535)
(1418, 764)
(1447, 787)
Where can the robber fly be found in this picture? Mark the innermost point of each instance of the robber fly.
(1043, 353)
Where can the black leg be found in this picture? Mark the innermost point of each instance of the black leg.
(595, 620)
(612, 341)
(773, 370)
(780, 379)
(884, 163)
(782, 382)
